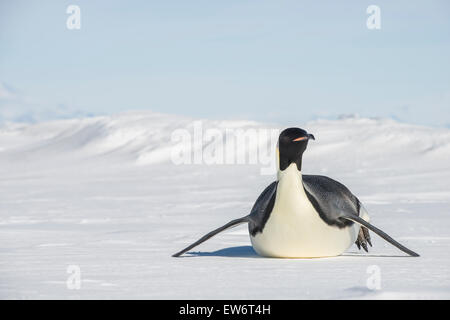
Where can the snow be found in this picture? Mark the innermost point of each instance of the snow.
(103, 194)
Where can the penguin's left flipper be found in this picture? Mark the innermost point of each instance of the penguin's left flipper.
(379, 232)
(257, 217)
(230, 224)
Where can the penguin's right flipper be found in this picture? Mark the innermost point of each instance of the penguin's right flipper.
(230, 224)
(381, 233)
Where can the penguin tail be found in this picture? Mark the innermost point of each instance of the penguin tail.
(379, 232)
(211, 234)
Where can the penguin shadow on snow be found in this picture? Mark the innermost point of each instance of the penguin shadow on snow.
(231, 252)
(249, 252)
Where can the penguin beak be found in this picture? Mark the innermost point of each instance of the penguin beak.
(309, 136)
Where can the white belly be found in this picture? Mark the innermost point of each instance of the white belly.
(295, 229)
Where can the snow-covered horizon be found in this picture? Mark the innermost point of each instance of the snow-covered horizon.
(102, 193)
(141, 131)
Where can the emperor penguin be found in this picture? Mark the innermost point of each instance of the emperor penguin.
(304, 216)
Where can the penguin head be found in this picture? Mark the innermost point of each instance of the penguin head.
(291, 145)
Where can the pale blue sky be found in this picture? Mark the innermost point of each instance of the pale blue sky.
(277, 61)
